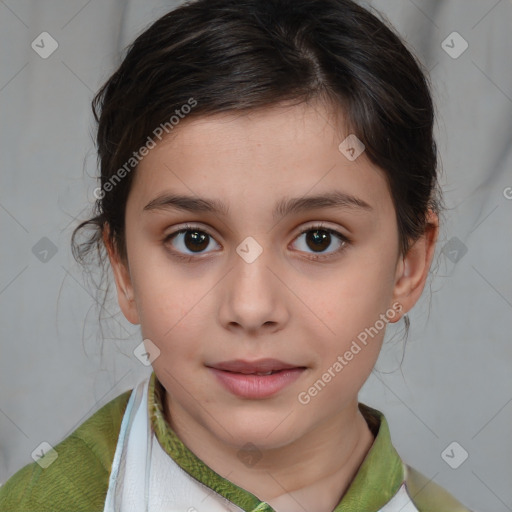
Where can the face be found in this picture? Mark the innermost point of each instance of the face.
(248, 274)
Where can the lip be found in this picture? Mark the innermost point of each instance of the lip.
(241, 377)
(258, 366)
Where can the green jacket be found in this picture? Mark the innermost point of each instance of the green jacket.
(78, 479)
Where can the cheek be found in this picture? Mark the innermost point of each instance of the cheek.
(355, 313)
(163, 295)
(168, 309)
(357, 293)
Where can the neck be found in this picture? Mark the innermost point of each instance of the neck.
(315, 471)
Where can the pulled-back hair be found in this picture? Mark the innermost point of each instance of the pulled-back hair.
(241, 55)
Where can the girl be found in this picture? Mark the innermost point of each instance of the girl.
(268, 204)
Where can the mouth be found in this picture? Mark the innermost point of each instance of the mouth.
(255, 379)
(259, 367)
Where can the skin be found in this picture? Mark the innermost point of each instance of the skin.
(284, 305)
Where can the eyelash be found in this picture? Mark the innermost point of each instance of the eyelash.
(317, 227)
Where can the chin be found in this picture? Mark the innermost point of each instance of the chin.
(263, 429)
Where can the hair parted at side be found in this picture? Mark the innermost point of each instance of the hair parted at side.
(241, 55)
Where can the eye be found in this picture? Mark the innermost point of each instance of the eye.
(190, 238)
(318, 238)
(193, 240)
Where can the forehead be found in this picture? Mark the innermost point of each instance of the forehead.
(258, 155)
(259, 133)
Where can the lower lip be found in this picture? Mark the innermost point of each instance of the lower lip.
(257, 386)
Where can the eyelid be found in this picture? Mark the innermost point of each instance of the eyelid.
(321, 225)
(313, 225)
(189, 226)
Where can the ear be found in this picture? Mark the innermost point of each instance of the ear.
(124, 287)
(413, 268)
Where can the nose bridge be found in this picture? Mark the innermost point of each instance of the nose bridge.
(251, 276)
(253, 297)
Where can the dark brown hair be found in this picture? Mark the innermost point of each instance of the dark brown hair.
(240, 55)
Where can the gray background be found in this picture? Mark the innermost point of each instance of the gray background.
(455, 381)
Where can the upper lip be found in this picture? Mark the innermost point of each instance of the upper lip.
(258, 366)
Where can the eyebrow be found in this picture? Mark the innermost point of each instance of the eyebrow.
(284, 207)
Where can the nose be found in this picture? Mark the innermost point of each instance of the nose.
(254, 296)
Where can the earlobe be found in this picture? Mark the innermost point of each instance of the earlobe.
(413, 268)
(122, 278)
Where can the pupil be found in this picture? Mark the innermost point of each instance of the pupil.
(196, 241)
(318, 239)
